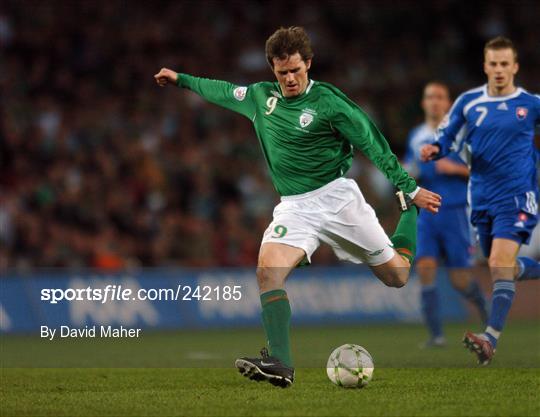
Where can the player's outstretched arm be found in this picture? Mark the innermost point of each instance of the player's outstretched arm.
(222, 93)
(427, 200)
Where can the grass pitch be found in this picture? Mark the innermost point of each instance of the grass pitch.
(191, 374)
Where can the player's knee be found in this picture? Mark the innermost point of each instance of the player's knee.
(263, 276)
(400, 281)
(502, 267)
(495, 261)
(394, 273)
(397, 278)
(269, 277)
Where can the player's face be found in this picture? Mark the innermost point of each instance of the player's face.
(435, 102)
(292, 74)
(500, 68)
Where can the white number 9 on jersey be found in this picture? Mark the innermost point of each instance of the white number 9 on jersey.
(271, 103)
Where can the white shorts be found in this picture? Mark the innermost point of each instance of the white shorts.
(336, 214)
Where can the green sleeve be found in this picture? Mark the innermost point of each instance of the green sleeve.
(355, 125)
(222, 93)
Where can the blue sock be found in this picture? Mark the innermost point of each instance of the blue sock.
(431, 310)
(501, 301)
(475, 295)
(528, 269)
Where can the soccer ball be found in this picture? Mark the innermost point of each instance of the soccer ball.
(350, 366)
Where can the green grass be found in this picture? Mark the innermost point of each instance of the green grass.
(190, 373)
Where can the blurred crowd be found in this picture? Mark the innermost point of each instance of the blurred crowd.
(102, 168)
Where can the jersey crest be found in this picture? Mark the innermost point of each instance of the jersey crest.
(240, 93)
(305, 119)
(521, 113)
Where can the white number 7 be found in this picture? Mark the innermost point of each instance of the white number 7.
(484, 111)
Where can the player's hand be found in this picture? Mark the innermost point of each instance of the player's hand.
(428, 152)
(427, 200)
(166, 76)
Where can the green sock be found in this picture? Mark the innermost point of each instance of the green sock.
(404, 238)
(276, 317)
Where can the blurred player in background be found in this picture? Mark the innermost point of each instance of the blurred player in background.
(496, 122)
(307, 131)
(447, 235)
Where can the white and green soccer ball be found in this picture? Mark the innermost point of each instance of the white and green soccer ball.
(350, 366)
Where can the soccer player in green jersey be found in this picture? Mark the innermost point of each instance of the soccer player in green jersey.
(307, 131)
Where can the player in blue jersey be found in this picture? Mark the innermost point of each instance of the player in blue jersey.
(436, 241)
(496, 123)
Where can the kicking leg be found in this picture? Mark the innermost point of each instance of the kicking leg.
(404, 238)
(395, 272)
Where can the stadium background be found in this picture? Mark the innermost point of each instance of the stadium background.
(101, 168)
(103, 174)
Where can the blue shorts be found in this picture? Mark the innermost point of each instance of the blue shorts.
(447, 235)
(513, 218)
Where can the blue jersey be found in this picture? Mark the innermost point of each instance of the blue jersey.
(499, 135)
(452, 188)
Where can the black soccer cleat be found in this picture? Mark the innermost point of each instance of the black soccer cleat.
(266, 368)
(405, 202)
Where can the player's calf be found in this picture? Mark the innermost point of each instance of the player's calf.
(404, 238)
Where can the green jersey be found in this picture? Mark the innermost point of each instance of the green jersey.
(307, 140)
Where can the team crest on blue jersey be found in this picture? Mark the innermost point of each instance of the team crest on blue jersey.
(521, 113)
(305, 119)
